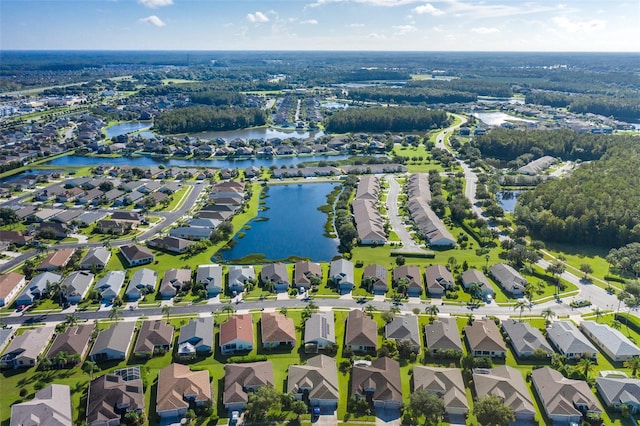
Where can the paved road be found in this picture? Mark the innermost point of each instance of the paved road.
(395, 218)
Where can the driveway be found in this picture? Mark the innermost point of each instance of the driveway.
(326, 420)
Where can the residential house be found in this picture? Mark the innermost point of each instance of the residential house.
(379, 382)
(52, 230)
(112, 227)
(410, 275)
(178, 387)
(196, 337)
(76, 286)
(114, 342)
(484, 339)
(110, 397)
(404, 328)
(109, 286)
(507, 383)
(443, 336)
(173, 281)
(476, 280)
(319, 332)
(617, 391)
(240, 379)
(36, 287)
(564, 400)
(15, 237)
(238, 276)
(305, 272)
(447, 383)
(430, 225)
(236, 334)
(277, 330)
(6, 335)
(51, 405)
(341, 273)
(377, 278)
(316, 381)
(74, 342)
(143, 282)
(136, 255)
(154, 337)
(89, 218)
(508, 278)
(438, 279)
(170, 244)
(191, 233)
(97, 258)
(277, 274)
(56, 260)
(525, 340)
(616, 345)
(568, 340)
(211, 277)
(24, 350)
(361, 332)
(10, 284)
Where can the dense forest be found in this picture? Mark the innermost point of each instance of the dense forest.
(596, 205)
(618, 107)
(218, 98)
(478, 87)
(405, 95)
(199, 119)
(406, 119)
(507, 145)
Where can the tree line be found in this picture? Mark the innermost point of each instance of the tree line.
(406, 119)
(608, 106)
(414, 95)
(199, 119)
(478, 87)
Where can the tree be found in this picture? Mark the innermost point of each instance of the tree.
(522, 305)
(370, 310)
(616, 325)
(585, 365)
(90, 368)
(71, 320)
(228, 309)
(432, 310)
(114, 313)
(556, 269)
(586, 269)
(490, 410)
(166, 310)
(598, 313)
(400, 260)
(634, 364)
(427, 404)
(261, 402)
(299, 408)
(548, 314)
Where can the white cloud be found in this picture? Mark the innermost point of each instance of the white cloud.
(485, 30)
(356, 25)
(404, 29)
(385, 3)
(153, 20)
(152, 4)
(428, 9)
(258, 17)
(310, 22)
(377, 36)
(577, 26)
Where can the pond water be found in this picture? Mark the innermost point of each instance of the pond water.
(334, 105)
(508, 199)
(125, 128)
(295, 226)
(258, 133)
(495, 100)
(497, 118)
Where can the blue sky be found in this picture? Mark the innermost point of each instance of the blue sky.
(435, 25)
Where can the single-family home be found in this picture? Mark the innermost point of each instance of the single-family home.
(109, 286)
(15, 237)
(111, 397)
(238, 276)
(154, 337)
(379, 382)
(447, 383)
(56, 260)
(376, 279)
(305, 272)
(277, 330)
(97, 258)
(51, 405)
(36, 287)
(76, 285)
(114, 342)
(196, 337)
(240, 379)
(173, 281)
(316, 381)
(525, 340)
(616, 345)
(236, 334)
(178, 388)
(211, 277)
(484, 339)
(617, 391)
(564, 400)
(341, 273)
(361, 332)
(442, 336)
(507, 383)
(277, 274)
(10, 284)
(410, 276)
(404, 328)
(191, 233)
(319, 332)
(136, 255)
(143, 282)
(74, 341)
(170, 244)
(475, 280)
(508, 278)
(24, 350)
(438, 279)
(568, 340)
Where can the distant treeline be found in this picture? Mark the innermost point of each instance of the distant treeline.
(199, 119)
(621, 108)
(412, 96)
(218, 98)
(596, 205)
(478, 87)
(404, 119)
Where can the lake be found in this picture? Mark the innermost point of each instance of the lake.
(507, 200)
(295, 226)
(258, 133)
(125, 128)
(497, 118)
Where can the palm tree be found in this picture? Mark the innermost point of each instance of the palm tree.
(166, 310)
(634, 364)
(284, 311)
(90, 368)
(432, 310)
(548, 314)
(598, 313)
(586, 365)
(71, 320)
(622, 297)
(370, 309)
(616, 325)
(522, 305)
(470, 319)
(228, 309)
(114, 313)
(61, 359)
(474, 290)
(312, 305)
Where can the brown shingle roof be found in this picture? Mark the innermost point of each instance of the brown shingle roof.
(238, 378)
(176, 382)
(73, 341)
(383, 375)
(152, 334)
(361, 330)
(276, 327)
(236, 327)
(57, 259)
(483, 335)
